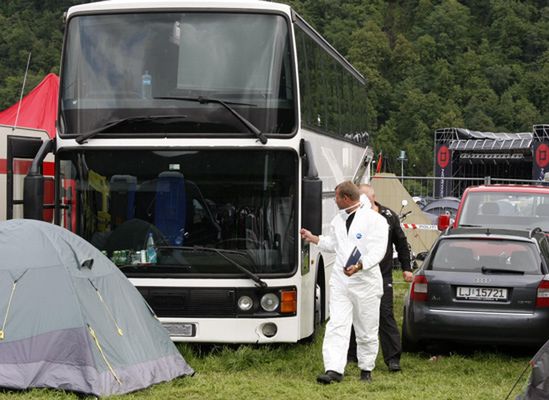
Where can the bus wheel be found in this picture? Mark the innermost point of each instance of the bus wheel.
(317, 321)
(318, 308)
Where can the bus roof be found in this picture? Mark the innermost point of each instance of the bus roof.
(148, 5)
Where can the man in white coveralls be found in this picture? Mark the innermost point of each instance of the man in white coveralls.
(355, 292)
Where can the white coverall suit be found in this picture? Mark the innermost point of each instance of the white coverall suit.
(354, 300)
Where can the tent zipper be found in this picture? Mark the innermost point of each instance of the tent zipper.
(94, 336)
(7, 311)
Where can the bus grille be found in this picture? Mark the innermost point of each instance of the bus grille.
(191, 302)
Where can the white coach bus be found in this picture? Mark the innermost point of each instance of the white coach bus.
(194, 140)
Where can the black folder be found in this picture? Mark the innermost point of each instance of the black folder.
(353, 258)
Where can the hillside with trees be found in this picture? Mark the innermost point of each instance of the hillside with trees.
(478, 64)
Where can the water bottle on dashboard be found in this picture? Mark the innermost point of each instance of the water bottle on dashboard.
(146, 88)
(151, 250)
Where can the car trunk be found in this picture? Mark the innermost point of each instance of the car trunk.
(463, 291)
(485, 274)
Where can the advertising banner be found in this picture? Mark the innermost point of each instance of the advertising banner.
(443, 169)
(541, 160)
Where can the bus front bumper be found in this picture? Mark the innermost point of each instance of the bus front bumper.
(239, 330)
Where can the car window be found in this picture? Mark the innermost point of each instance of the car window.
(544, 247)
(476, 255)
(506, 209)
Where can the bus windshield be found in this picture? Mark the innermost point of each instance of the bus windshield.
(239, 203)
(142, 68)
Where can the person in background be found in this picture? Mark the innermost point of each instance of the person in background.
(355, 292)
(388, 330)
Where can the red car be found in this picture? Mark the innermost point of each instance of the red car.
(502, 206)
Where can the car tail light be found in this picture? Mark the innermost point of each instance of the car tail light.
(419, 288)
(542, 298)
(443, 222)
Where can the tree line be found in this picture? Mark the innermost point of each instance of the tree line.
(477, 64)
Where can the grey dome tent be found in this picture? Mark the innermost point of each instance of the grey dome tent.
(538, 385)
(69, 319)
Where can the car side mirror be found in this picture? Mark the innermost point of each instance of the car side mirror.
(422, 256)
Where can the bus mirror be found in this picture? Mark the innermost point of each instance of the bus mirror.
(308, 163)
(33, 187)
(33, 197)
(443, 222)
(311, 205)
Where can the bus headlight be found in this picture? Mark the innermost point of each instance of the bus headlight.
(245, 303)
(270, 302)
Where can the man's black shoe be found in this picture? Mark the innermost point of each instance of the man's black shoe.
(329, 377)
(394, 366)
(366, 376)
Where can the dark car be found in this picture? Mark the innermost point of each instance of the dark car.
(480, 285)
(441, 206)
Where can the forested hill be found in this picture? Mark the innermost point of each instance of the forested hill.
(479, 64)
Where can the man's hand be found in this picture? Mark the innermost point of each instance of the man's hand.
(308, 236)
(353, 269)
(408, 276)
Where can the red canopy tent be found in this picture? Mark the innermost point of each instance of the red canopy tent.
(38, 108)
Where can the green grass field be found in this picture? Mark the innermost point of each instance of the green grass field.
(289, 372)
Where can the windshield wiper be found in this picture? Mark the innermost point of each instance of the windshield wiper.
(205, 100)
(488, 271)
(241, 268)
(88, 135)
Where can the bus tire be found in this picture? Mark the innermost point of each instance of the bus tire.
(318, 308)
(317, 322)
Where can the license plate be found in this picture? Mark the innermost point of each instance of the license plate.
(180, 329)
(481, 293)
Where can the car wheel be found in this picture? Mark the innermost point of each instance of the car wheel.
(408, 345)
